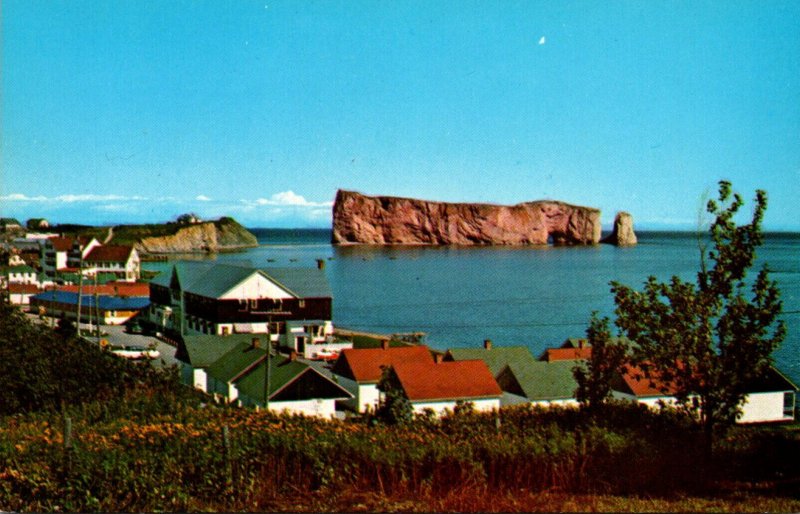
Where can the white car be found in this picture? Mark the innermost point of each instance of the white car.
(135, 352)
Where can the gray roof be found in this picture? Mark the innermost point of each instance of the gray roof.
(304, 282)
(215, 279)
(204, 350)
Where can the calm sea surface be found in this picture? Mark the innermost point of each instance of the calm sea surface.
(522, 296)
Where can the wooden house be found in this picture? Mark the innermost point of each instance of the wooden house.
(360, 370)
(223, 299)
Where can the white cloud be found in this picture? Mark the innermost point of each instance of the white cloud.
(289, 199)
(18, 197)
(202, 198)
(542, 40)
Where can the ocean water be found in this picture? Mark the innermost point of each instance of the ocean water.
(534, 296)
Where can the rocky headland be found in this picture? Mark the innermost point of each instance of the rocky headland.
(224, 234)
(387, 220)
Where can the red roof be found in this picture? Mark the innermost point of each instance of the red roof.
(14, 288)
(641, 385)
(364, 365)
(566, 354)
(452, 380)
(112, 289)
(110, 253)
(61, 244)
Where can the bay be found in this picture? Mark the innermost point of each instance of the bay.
(532, 296)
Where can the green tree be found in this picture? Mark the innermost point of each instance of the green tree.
(394, 407)
(708, 340)
(594, 376)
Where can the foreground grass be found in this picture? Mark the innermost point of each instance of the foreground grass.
(152, 451)
(527, 501)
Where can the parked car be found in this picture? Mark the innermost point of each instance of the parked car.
(135, 352)
(133, 328)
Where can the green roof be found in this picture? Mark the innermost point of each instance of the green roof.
(497, 358)
(23, 268)
(214, 280)
(541, 380)
(232, 364)
(304, 282)
(282, 372)
(218, 280)
(202, 350)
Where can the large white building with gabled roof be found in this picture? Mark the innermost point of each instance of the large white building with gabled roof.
(222, 299)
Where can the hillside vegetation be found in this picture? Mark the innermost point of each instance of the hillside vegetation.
(227, 233)
(83, 431)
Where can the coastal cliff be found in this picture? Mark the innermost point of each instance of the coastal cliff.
(386, 220)
(207, 237)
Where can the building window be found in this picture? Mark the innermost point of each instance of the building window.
(242, 305)
(788, 405)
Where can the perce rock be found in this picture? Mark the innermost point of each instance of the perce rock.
(386, 220)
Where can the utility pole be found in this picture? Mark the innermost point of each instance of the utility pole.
(80, 288)
(96, 308)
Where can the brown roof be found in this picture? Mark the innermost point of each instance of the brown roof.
(566, 354)
(61, 244)
(110, 253)
(452, 380)
(364, 365)
(23, 288)
(111, 289)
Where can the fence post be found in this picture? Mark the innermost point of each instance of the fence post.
(226, 457)
(67, 449)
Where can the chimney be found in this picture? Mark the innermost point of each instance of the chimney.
(487, 344)
(438, 357)
(320, 264)
(255, 343)
(385, 344)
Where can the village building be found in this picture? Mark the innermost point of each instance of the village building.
(234, 369)
(441, 386)
(65, 253)
(313, 339)
(360, 370)
(95, 309)
(10, 225)
(21, 274)
(121, 261)
(21, 294)
(37, 224)
(496, 357)
(223, 299)
(196, 353)
(769, 398)
(539, 383)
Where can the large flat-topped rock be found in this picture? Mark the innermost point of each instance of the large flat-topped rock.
(387, 220)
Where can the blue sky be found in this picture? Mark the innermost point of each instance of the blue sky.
(137, 111)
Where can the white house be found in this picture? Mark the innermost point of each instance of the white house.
(22, 274)
(246, 376)
(121, 260)
(440, 386)
(359, 370)
(770, 398)
(313, 339)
